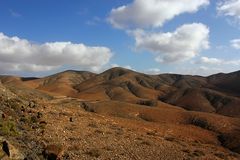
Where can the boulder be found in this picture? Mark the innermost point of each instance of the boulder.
(53, 152)
(9, 151)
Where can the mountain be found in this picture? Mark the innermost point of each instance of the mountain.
(227, 82)
(61, 83)
(217, 93)
(214, 94)
(121, 113)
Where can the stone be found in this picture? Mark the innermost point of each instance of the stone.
(10, 151)
(53, 152)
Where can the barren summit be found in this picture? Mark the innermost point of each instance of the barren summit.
(120, 114)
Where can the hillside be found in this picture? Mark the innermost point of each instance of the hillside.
(214, 94)
(121, 114)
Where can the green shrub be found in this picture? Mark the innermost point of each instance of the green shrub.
(8, 128)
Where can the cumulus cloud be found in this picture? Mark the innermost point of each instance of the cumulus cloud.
(229, 8)
(152, 13)
(184, 43)
(22, 55)
(235, 43)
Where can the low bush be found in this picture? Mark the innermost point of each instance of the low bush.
(8, 128)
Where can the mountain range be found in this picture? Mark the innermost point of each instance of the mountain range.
(181, 109)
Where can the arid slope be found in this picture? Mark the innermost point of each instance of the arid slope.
(120, 114)
(214, 94)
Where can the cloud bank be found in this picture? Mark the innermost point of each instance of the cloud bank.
(22, 55)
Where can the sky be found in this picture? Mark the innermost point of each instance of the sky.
(196, 37)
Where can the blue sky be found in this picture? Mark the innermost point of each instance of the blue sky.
(96, 35)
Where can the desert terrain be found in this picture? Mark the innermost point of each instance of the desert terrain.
(120, 114)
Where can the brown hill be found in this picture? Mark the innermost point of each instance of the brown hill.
(217, 93)
(121, 114)
(214, 94)
(228, 83)
(117, 84)
(61, 83)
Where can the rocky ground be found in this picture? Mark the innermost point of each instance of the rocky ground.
(36, 125)
(62, 128)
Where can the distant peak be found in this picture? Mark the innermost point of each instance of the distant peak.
(74, 71)
(116, 72)
(236, 73)
(119, 69)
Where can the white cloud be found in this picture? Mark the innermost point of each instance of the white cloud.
(184, 43)
(207, 66)
(235, 43)
(216, 61)
(229, 8)
(200, 70)
(21, 55)
(152, 13)
(211, 61)
(153, 71)
(8, 67)
(206, 70)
